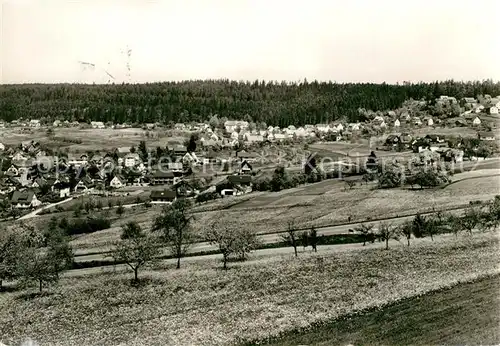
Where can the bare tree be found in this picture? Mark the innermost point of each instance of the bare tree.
(313, 238)
(406, 230)
(136, 248)
(387, 232)
(290, 237)
(174, 222)
(231, 241)
(470, 219)
(366, 230)
(350, 183)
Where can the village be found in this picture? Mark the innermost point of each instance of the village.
(225, 156)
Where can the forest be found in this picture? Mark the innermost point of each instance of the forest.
(274, 103)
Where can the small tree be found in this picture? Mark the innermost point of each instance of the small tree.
(174, 222)
(230, 241)
(350, 183)
(8, 251)
(470, 219)
(304, 239)
(99, 205)
(419, 226)
(313, 238)
(406, 230)
(42, 265)
(136, 248)
(366, 230)
(120, 210)
(387, 232)
(290, 237)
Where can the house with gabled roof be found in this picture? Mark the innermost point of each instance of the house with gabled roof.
(163, 196)
(25, 199)
(245, 168)
(161, 177)
(117, 182)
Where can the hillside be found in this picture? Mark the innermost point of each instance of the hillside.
(274, 103)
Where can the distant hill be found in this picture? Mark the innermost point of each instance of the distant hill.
(274, 103)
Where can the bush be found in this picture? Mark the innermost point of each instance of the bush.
(88, 225)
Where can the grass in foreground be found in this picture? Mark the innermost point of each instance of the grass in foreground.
(264, 297)
(466, 314)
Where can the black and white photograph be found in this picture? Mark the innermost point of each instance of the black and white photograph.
(249, 172)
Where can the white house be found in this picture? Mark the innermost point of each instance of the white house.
(339, 127)
(279, 137)
(430, 122)
(97, 125)
(232, 125)
(117, 182)
(378, 119)
(476, 121)
(235, 135)
(56, 123)
(35, 123)
(253, 138)
(131, 160)
(353, 126)
(397, 123)
(2, 146)
(323, 128)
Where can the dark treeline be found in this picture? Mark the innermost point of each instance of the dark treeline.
(274, 103)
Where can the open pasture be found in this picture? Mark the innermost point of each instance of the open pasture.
(199, 304)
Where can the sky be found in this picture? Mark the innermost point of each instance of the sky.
(389, 41)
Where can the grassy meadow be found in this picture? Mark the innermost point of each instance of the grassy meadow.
(265, 297)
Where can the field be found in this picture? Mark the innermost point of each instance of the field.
(92, 139)
(264, 297)
(322, 204)
(462, 315)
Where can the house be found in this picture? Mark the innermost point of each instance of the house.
(179, 150)
(405, 138)
(35, 123)
(161, 177)
(278, 137)
(393, 139)
(180, 127)
(243, 155)
(486, 136)
(97, 125)
(163, 196)
(235, 185)
(397, 123)
(494, 110)
(56, 123)
(352, 127)
(84, 185)
(476, 121)
(25, 199)
(231, 125)
(417, 121)
(430, 121)
(131, 160)
(184, 189)
(78, 161)
(175, 166)
(245, 168)
(468, 101)
(339, 127)
(61, 188)
(2, 146)
(117, 182)
(13, 170)
(253, 138)
(435, 138)
(19, 156)
(378, 120)
(322, 128)
(309, 128)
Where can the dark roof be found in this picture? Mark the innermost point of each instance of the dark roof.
(239, 179)
(22, 197)
(163, 174)
(163, 194)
